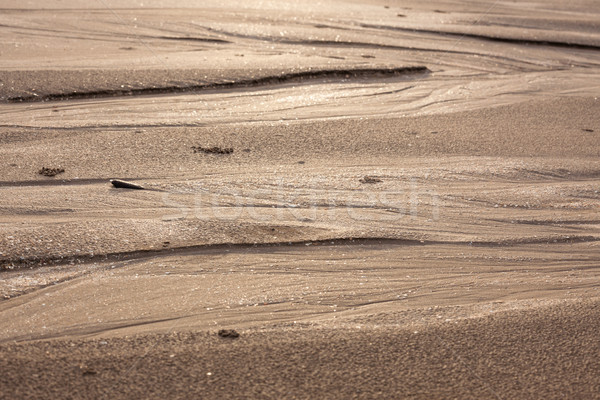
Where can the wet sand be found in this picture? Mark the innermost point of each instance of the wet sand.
(383, 201)
(547, 352)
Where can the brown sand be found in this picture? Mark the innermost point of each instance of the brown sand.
(410, 207)
(540, 353)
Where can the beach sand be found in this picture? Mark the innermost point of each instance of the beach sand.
(382, 200)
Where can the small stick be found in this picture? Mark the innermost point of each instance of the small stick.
(125, 185)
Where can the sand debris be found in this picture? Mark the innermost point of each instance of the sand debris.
(212, 150)
(50, 171)
(369, 179)
(85, 371)
(228, 333)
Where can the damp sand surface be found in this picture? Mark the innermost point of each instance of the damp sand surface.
(382, 200)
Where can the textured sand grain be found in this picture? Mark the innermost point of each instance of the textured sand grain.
(375, 232)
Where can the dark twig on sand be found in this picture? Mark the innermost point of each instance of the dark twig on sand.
(125, 185)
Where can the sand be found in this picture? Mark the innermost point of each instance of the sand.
(383, 200)
(548, 352)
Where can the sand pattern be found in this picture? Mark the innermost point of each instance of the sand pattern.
(350, 199)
